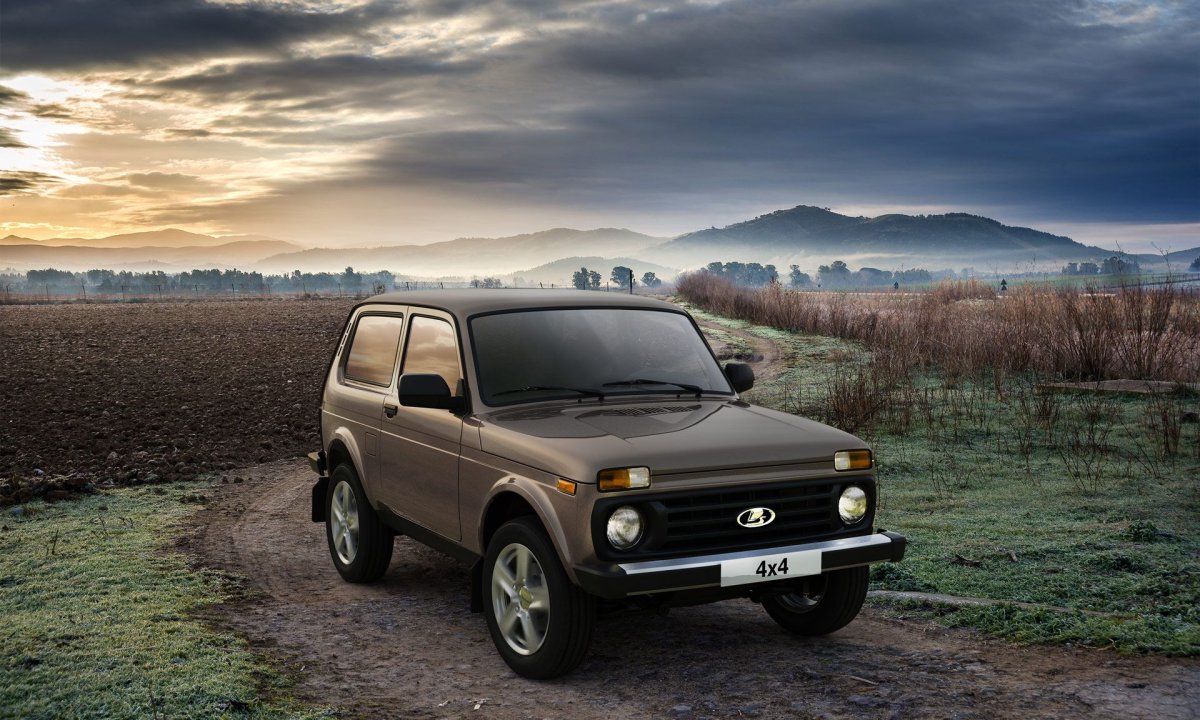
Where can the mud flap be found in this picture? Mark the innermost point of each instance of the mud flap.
(477, 586)
(320, 492)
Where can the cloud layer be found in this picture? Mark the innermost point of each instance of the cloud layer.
(361, 122)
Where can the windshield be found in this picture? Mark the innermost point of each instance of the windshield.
(544, 354)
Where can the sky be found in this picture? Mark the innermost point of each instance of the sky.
(369, 122)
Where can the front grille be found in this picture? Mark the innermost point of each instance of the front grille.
(705, 521)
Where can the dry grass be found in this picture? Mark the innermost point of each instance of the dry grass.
(967, 331)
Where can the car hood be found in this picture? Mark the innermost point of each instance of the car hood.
(668, 435)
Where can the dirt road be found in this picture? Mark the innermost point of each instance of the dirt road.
(408, 647)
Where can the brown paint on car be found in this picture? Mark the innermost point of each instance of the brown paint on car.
(599, 382)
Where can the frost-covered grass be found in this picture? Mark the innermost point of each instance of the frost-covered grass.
(98, 618)
(1008, 493)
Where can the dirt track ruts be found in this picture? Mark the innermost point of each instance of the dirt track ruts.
(408, 646)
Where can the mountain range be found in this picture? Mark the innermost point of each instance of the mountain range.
(804, 235)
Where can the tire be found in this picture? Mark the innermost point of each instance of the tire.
(359, 543)
(540, 622)
(827, 602)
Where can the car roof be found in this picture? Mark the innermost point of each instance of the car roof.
(468, 302)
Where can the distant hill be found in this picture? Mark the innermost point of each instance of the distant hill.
(803, 235)
(807, 235)
(1179, 258)
(467, 256)
(169, 238)
(242, 253)
(559, 272)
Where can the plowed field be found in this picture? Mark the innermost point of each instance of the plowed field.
(128, 394)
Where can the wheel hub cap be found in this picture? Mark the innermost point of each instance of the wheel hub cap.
(520, 599)
(343, 522)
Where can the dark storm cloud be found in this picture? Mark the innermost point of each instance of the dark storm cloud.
(9, 140)
(311, 78)
(9, 96)
(12, 182)
(1082, 110)
(1047, 107)
(85, 34)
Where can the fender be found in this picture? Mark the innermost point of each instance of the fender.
(537, 494)
(343, 436)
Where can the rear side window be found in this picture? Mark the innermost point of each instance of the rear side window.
(432, 348)
(373, 348)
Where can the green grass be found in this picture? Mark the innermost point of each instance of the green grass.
(956, 481)
(98, 618)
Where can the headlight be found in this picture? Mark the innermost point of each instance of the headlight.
(624, 527)
(624, 478)
(852, 460)
(852, 505)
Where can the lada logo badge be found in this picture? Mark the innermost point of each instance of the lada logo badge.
(756, 517)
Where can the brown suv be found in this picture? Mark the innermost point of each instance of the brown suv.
(585, 452)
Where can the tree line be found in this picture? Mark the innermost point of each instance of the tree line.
(621, 277)
(834, 275)
(199, 281)
(1115, 265)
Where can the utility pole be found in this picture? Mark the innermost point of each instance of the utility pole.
(630, 281)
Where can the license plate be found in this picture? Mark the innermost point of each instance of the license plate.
(763, 568)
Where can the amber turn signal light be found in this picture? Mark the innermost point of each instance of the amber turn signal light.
(566, 487)
(624, 478)
(852, 460)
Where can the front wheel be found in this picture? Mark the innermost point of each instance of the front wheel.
(539, 621)
(822, 604)
(359, 543)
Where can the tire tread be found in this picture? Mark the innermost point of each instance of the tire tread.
(375, 540)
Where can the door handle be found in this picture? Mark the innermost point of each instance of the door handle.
(390, 410)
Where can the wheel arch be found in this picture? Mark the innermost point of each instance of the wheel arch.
(504, 506)
(343, 450)
(514, 499)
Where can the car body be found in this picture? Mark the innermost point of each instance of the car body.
(583, 451)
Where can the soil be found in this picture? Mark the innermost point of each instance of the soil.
(765, 361)
(119, 394)
(408, 646)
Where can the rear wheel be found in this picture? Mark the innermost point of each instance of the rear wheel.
(539, 621)
(359, 543)
(822, 603)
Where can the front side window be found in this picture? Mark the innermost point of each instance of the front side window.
(544, 354)
(373, 348)
(432, 349)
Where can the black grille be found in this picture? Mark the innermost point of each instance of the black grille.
(705, 521)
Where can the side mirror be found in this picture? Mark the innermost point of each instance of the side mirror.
(428, 390)
(741, 376)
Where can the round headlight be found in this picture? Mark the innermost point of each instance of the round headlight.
(624, 527)
(852, 505)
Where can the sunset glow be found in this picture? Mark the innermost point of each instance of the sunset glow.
(370, 122)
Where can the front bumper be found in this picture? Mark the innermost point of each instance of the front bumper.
(613, 581)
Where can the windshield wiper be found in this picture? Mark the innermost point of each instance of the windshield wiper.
(644, 381)
(534, 388)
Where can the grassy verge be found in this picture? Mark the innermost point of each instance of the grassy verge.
(97, 618)
(1004, 493)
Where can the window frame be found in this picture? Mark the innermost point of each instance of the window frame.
(541, 308)
(460, 387)
(347, 379)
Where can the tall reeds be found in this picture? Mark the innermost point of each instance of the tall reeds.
(967, 330)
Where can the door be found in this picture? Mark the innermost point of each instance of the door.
(364, 379)
(420, 446)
